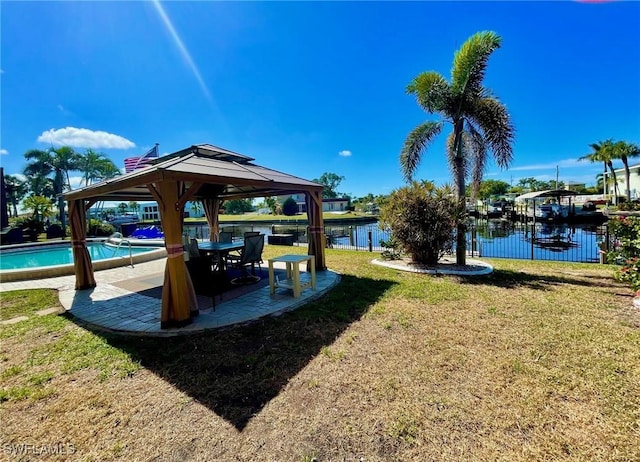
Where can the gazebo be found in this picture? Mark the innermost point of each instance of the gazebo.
(201, 172)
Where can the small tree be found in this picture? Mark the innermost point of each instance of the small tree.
(238, 206)
(422, 219)
(272, 204)
(41, 208)
(330, 181)
(122, 207)
(289, 207)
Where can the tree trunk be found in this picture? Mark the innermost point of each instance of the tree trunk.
(63, 218)
(616, 190)
(461, 241)
(627, 178)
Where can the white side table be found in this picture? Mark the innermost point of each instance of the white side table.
(293, 273)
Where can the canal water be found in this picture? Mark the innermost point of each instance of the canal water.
(487, 238)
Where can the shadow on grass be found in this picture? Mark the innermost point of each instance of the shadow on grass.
(236, 372)
(516, 279)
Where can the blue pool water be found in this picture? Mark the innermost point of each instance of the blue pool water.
(61, 255)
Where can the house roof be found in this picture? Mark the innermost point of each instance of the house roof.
(631, 167)
(221, 172)
(547, 193)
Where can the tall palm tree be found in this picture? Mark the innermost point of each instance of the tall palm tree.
(57, 162)
(623, 151)
(480, 121)
(602, 151)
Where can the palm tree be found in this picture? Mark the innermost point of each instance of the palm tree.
(95, 166)
(480, 122)
(58, 162)
(40, 207)
(602, 151)
(15, 189)
(623, 151)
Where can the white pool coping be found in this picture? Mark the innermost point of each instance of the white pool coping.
(43, 272)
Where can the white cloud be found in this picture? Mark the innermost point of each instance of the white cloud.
(3, 152)
(345, 153)
(84, 138)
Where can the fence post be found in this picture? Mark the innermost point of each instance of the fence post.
(604, 246)
(370, 240)
(473, 241)
(533, 230)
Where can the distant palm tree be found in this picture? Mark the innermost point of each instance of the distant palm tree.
(134, 206)
(57, 162)
(480, 122)
(96, 166)
(623, 151)
(15, 189)
(603, 152)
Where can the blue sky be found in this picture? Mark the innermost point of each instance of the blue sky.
(310, 87)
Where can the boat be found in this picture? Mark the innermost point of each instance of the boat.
(124, 219)
(548, 205)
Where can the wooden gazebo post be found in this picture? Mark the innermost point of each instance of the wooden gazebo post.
(316, 228)
(178, 297)
(81, 260)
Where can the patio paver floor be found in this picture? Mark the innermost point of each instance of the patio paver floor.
(116, 309)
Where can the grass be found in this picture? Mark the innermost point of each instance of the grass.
(538, 361)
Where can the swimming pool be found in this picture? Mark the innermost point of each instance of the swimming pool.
(49, 260)
(33, 257)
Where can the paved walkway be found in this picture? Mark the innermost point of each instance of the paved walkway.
(112, 308)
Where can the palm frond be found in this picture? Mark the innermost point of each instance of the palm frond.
(470, 62)
(37, 155)
(494, 121)
(431, 91)
(414, 146)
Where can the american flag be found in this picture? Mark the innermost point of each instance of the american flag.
(136, 163)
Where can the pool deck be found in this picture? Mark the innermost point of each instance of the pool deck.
(110, 307)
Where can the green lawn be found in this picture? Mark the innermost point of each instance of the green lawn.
(538, 361)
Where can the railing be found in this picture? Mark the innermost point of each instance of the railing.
(539, 241)
(117, 240)
(485, 238)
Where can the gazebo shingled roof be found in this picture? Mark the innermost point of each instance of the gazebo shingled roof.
(205, 164)
(200, 172)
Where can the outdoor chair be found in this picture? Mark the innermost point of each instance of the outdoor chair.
(250, 255)
(225, 237)
(206, 278)
(251, 233)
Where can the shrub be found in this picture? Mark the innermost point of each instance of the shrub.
(626, 249)
(100, 228)
(630, 273)
(289, 207)
(32, 226)
(391, 250)
(422, 219)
